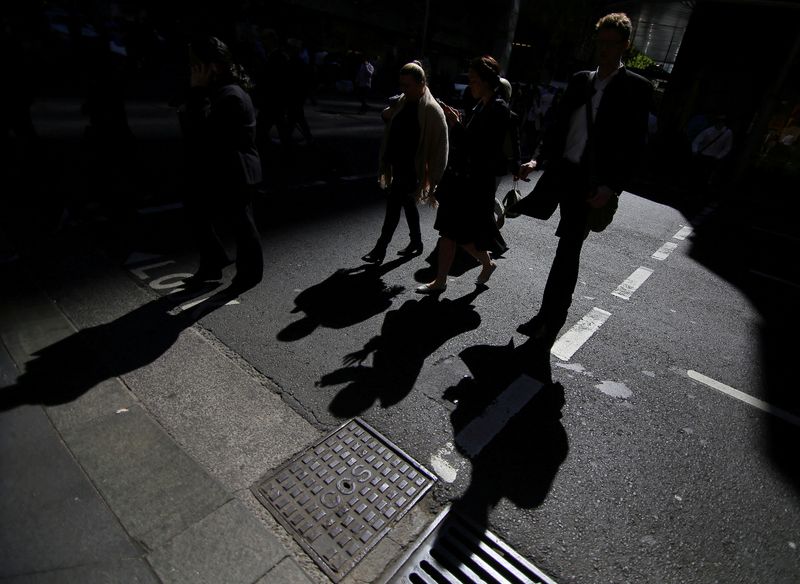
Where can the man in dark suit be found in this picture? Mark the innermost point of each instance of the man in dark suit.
(587, 156)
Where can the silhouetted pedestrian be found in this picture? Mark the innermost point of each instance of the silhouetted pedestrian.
(224, 168)
(588, 155)
(466, 194)
(364, 82)
(270, 95)
(413, 158)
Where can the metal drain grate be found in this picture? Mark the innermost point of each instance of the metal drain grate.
(342, 495)
(453, 550)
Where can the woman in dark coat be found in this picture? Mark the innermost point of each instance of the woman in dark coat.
(224, 168)
(485, 146)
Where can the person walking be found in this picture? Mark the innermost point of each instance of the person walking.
(466, 195)
(364, 82)
(588, 155)
(710, 148)
(413, 158)
(224, 168)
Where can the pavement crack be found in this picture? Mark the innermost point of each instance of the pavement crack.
(269, 383)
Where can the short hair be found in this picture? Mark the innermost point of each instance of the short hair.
(487, 68)
(414, 68)
(617, 21)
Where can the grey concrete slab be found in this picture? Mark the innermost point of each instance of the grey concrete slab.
(8, 369)
(51, 517)
(105, 398)
(230, 545)
(135, 571)
(30, 322)
(155, 489)
(287, 572)
(221, 414)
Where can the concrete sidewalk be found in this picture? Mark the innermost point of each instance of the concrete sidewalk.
(130, 438)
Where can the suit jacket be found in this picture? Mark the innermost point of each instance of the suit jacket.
(619, 133)
(219, 125)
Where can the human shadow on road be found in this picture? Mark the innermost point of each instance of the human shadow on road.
(346, 297)
(408, 336)
(750, 240)
(520, 461)
(65, 370)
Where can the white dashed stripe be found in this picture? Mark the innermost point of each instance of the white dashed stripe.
(629, 286)
(664, 251)
(683, 233)
(746, 398)
(480, 431)
(575, 337)
(196, 302)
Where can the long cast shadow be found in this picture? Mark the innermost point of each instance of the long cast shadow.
(65, 370)
(346, 297)
(408, 336)
(522, 459)
(751, 241)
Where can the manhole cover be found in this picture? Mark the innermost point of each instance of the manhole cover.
(342, 495)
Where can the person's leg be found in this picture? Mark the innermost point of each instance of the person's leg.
(394, 204)
(414, 232)
(447, 253)
(487, 265)
(249, 255)
(212, 253)
(561, 282)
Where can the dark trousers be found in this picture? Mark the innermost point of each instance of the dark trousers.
(237, 213)
(572, 231)
(401, 196)
(561, 281)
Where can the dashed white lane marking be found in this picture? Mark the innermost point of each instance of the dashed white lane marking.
(774, 278)
(194, 303)
(441, 466)
(141, 272)
(565, 347)
(746, 398)
(629, 286)
(664, 251)
(138, 257)
(480, 431)
(683, 233)
(160, 209)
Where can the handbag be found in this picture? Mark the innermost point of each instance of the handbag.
(542, 201)
(602, 217)
(512, 198)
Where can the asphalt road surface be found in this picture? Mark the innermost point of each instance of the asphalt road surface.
(664, 464)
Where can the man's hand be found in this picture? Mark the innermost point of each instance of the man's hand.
(201, 75)
(600, 197)
(525, 170)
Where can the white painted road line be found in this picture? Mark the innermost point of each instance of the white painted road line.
(746, 398)
(629, 286)
(774, 278)
(664, 251)
(565, 347)
(481, 430)
(160, 209)
(683, 233)
(196, 302)
(141, 272)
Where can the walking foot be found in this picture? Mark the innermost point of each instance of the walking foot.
(431, 288)
(486, 273)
